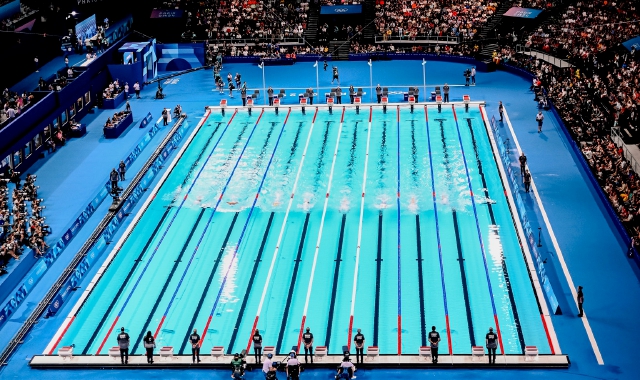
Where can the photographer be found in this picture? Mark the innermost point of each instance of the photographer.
(237, 367)
(346, 369)
(467, 77)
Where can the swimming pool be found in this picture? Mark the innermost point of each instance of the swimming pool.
(390, 222)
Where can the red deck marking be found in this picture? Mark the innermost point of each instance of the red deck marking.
(107, 336)
(546, 331)
(399, 335)
(350, 331)
(448, 334)
(159, 326)
(253, 330)
(64, 332)
(495, 317)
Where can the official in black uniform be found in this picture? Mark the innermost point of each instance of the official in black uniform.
(325, 65)
(270, 93)
(492, 344)
(310, 94)
(359, 341)
(527, 181)
(580, 300)
(307, 338)
(335, 75)
(149, 344)
(122, 170)
(123, 343)
(352, 93)
(113, 177)
(501, 110)
(194, 339)
(445, 91)
(338, 95)
(434, 340)
(379, 93)
(257, 345)
(243, 94)
(523, 163)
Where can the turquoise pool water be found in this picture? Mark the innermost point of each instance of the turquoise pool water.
(205, 251)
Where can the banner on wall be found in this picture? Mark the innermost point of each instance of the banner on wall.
(337, 10)
(632, 43)
(523, 12)
(147, 119)
(166, 13)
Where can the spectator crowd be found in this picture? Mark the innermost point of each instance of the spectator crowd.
(21, 222)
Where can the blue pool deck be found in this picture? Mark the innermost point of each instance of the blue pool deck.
(589, 248)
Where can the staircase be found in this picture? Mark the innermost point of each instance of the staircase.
(339, 50)
(311, 32)
(486, 32)
(369, 11)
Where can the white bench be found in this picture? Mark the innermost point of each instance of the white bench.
(166, 353)
(424, 353)
(217, 352)
(372, 353)
(530, 354)
(320, 353)
(477, 353)
(66, 352)
(114, 353)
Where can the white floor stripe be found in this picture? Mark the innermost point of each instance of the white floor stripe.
(556, 246)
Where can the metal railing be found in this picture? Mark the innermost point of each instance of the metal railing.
(417, 40)
(561, 63)
(617, 139)
(254, 41)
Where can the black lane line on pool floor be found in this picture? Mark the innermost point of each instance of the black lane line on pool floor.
(292, 285)
(223, 248)
(505, 271)
(250, 284)
(423, 323)
(334, 289)
(376, 312)
(166, 282)
(463, 273)
(124, 283)
(463, 276)
(197, 160)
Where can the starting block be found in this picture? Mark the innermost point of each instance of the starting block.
(223, 105)
(266, 350)
(466, 99)
(372, 353)
(439, 101)
(357, 101)
(411, 99)
(276, 104)
(303, 102)
(249, 104)
(66, 352)
(330, 104)
(424, 353)
(530, 354)
(384, 100)
(166, 353)
(477, 353)
(217, 352)
(114, 353)
(321, 353)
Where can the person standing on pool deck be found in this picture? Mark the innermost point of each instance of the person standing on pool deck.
(501, 110)
(310, 92)
(539, 119)
(149, 345)
(527, 181)
(445, 89)
(335, 75)
(266, 365)
(257, 345)
(523, 163)
(338, 94)
(434, 340)
(359, 341)
(270, 93)
(580, 300)
(243, 94)
(379, 93)
(491, 340)
(473, 76)
(123, 343)
(293, 366)
(194, 339)
(325, 64)
(352, 93)
(307, 337)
